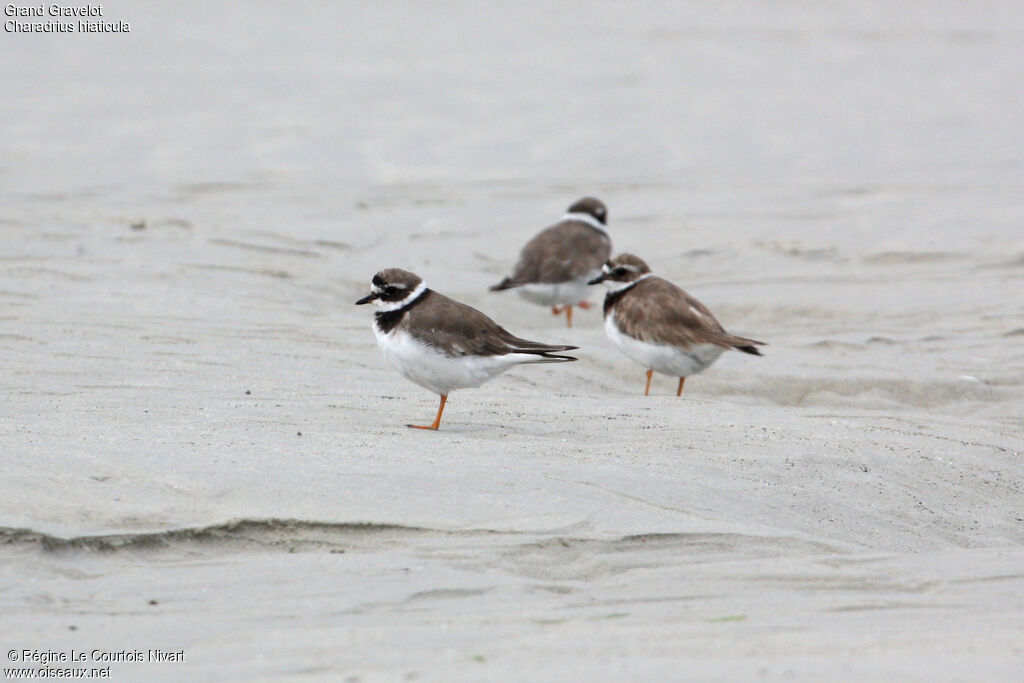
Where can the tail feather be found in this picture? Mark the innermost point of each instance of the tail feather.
(547, 357)
(747, 345)
(546, 353)
(524, 346)
(743, 344)
(507, 283)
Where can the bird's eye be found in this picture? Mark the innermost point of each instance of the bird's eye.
(620, 271)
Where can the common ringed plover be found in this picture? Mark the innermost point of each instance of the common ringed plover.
(555, 265)
(442, 344)
(660, 326)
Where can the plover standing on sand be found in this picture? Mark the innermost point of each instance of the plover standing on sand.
(660, 326)
(441, 344)
(555, 266)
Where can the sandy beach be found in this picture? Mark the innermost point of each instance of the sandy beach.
(205, 452)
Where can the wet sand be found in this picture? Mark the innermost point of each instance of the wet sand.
(204, 450)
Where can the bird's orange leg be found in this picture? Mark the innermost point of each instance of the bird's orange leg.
(679, 391)
(647, 389)
(557, 310)
(437, 420)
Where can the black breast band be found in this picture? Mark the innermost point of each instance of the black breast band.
(388, 320)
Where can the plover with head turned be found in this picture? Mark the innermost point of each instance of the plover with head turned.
(660, 326)
(441, 344)
(555, 266)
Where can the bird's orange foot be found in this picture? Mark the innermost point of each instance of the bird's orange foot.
(585, 305)
(437, 420)
(557, 310)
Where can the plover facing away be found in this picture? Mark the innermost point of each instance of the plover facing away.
(660, 326)
(441, 344)
(555, 266)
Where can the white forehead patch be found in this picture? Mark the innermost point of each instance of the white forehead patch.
(377, 289)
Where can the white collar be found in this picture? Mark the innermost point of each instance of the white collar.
(586, 218)
(388, 306)
(615, 286)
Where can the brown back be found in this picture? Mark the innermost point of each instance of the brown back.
(566, 251)
(460, 330)
(655, 310)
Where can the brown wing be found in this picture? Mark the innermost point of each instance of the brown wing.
(657, 311)
(462, 330)
(566, 251)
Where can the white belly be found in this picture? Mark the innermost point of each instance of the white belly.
(558, 294)
(668, 360)
(439, 372)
